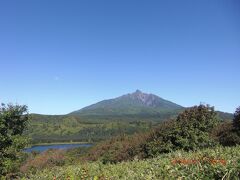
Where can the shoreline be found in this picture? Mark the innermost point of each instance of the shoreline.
(60, 143)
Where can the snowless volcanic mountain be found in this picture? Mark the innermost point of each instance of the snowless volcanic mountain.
(137, 103)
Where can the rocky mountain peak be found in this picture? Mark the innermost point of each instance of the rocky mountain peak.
(144, 98)
(138, 91)
(137, 102)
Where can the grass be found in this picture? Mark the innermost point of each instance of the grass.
(217, 163)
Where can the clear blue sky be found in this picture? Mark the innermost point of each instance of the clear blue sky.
(57, 56)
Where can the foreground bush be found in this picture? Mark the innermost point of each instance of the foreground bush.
(13, 120)
(190, 131)
(228, 132)
(217, 163)
(236, 120)
(43, 160)
(121, 148)
(225, 134)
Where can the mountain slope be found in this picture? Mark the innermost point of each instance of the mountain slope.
(130, 113)
(137, 103)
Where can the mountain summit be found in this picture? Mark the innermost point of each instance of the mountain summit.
(150, 100)
(136, 103)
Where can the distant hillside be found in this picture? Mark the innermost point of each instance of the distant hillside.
(128, 114)
(137, 103)
(225, 115)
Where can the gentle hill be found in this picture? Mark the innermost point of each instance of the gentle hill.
(137, 103)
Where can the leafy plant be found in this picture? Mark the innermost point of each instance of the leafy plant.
(190, 131)
(228, 133)
(236, 119)
(13, 120)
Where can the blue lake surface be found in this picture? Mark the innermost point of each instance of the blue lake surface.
(41, 148)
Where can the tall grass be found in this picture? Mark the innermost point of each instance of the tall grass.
(216, 163)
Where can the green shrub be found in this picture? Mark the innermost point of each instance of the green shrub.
(236, 120)
(13, 121)
(225, 134)
(190, 131)
(228, 133)
(193, 127)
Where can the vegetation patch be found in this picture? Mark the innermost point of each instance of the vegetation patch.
(214, 163)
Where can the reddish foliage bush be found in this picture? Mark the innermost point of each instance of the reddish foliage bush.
(118, 149)
(46, 159)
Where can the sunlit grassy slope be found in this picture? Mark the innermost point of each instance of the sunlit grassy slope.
(217, 163)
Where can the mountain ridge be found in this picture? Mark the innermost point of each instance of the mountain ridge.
(129, 104)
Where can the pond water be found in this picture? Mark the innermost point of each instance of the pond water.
(41, 148)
